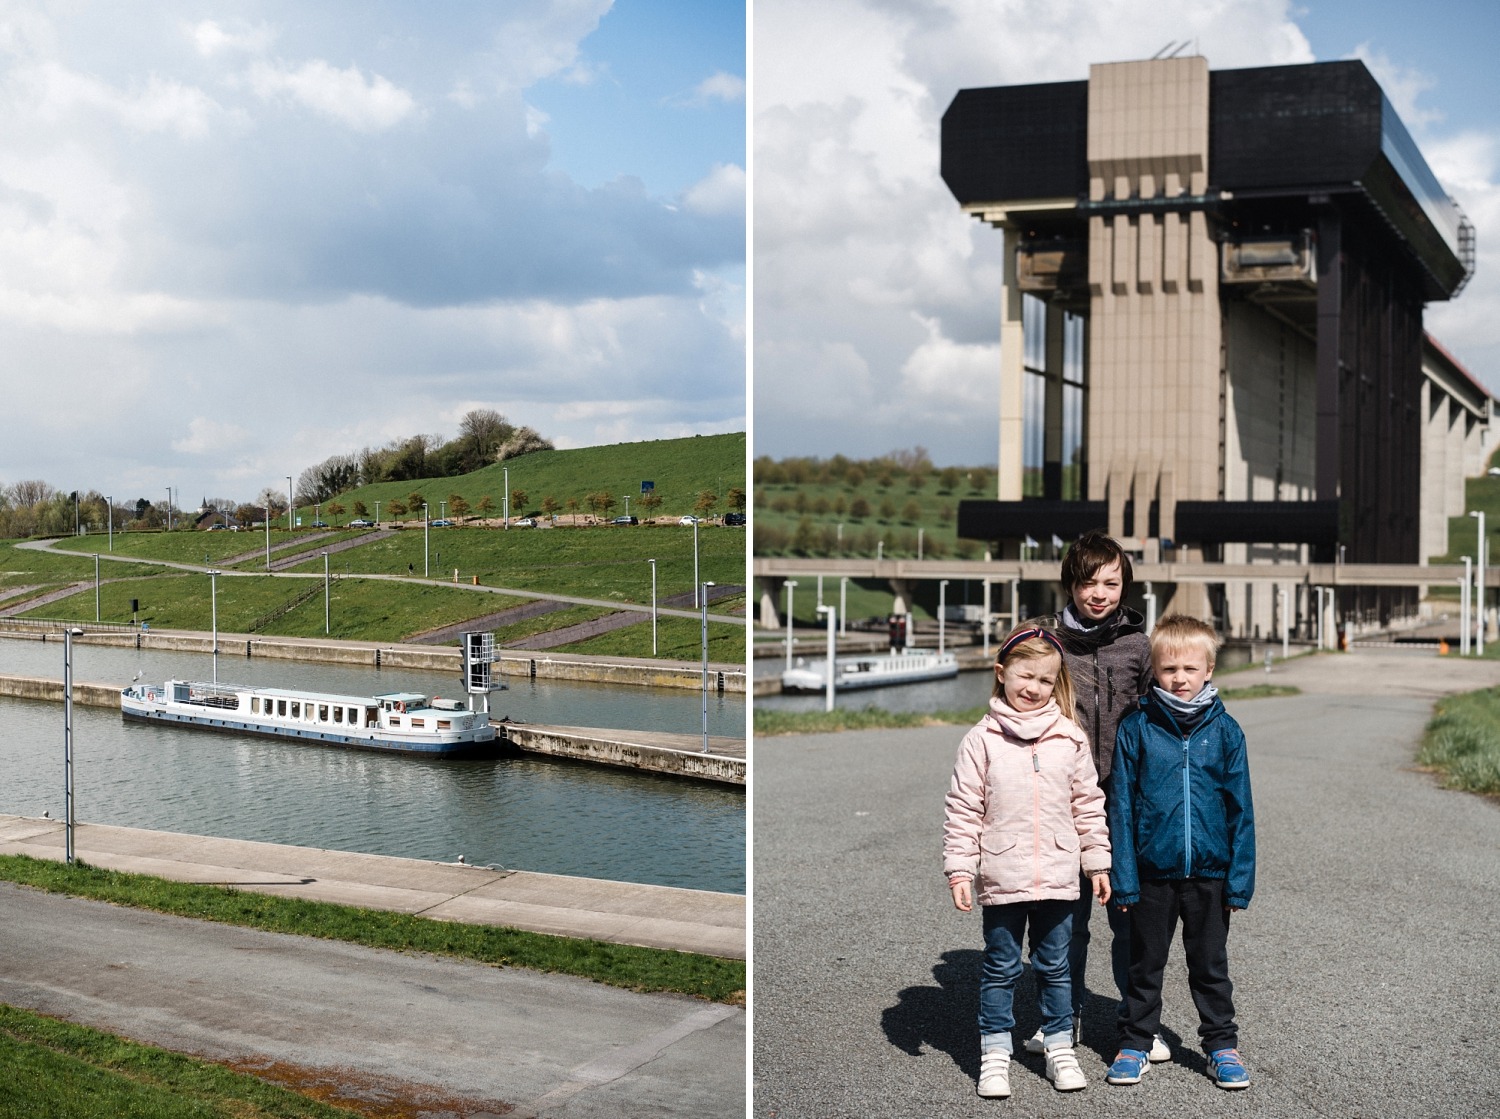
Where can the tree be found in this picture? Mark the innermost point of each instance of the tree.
(572, 504)
(415, 501)
(736, 499)
(335, 510)
(650, 503)
(486, 505)
(360, 510)
(248, 514)
(524, 441)
(550, 506)
(396, 508)
(859, 509)
(911, 512)
(707, 499)
(517, 500)
(457, 505)
(481, 432)
(948, 480)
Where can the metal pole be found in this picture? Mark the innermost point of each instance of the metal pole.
(1479, 568)
(1015, 603)
(505, 497)
(426, 536)
(377, 514)
(96, 586)
(1150, 597)
(1465, 633)
(68, 741)
(1286, 623)
(653, 606)
(1318, 624)
(290, 502)
(984, 626)
(695, 557)
(942, 615)
(919, 542)
(213, 596)
(325, 594)
(820, 590)
(111, 523)
(705, 666)
(268, 536)
(791, 585)
(832, 659)
(843, 605)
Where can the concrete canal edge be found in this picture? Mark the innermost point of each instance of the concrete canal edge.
(539, 665)
(674, 755)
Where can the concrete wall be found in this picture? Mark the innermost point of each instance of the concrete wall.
(600, 750)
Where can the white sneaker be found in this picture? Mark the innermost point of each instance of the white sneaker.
(994, 1075)
(1159, 1051)
(1063, 1070)
(1037, 1044)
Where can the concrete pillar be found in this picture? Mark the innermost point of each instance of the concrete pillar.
(902, 591)
(1012, 376)
(770, 594)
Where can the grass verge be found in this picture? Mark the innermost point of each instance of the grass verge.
(619, 965)
(1462, 742)
(50, 1068)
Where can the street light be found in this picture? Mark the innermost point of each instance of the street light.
(111, 523)
(1479, 576)
(505, 498)
(832, 660)
(290, 501)
(96, 586)
(920, 533)
(1464, 632)
(213, 593)
(325, 593)
(791, 586)
(169, 508)
(377, 514)
(843, 605)
(705, 666)
(942, 614)
(652, 562)
(68, 636)
(442, 510)
(268, 536)
(426, 536)
(695, 557)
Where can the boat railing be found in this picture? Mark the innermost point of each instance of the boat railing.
(214, 695)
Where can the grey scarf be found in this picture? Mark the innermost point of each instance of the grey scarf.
(1187, 712)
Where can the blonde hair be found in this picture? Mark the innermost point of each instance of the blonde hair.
(1033, 643)
(1177, 632)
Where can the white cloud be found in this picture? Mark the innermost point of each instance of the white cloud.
(211, 38)
(1403, 85)
(720, 87)
(345, 96)
(721, 192)
(208, 436)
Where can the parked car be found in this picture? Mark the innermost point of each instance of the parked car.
(320, 524)
(734, 518)
(526, 522)
(442, 522)
(216, 528)
(690, 520)
(627, 520)
(360, 522)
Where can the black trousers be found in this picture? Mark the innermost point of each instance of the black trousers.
(1199, 904)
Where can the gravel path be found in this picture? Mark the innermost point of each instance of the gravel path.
(1367, 969)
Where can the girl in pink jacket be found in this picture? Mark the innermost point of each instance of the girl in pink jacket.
(1023, 814)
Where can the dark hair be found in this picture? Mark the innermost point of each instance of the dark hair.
(1090, 552)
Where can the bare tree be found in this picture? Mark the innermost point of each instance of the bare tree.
(524, 441)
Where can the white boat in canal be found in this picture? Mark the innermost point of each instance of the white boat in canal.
(909, 666)
(400, 722)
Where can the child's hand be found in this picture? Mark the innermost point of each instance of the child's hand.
(1101, 888)
(963, 894)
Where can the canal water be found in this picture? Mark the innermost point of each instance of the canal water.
(543, 815)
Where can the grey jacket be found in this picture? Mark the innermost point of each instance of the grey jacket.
(1111, 669)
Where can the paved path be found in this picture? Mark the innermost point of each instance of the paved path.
(398, 1033)
(1367, 970)
(620, 912)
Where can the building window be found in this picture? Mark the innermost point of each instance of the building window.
(1074, 407)
(1033, 396)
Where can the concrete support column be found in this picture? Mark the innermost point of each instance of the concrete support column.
(770, 593)
(902, 590)
(1012, 376)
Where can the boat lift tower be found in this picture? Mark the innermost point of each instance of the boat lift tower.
(479, 653)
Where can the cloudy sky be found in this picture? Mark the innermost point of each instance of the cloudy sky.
(239, 237)
(876, 300)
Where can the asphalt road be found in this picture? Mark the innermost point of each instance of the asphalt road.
(448, 1038)
(1367, 970)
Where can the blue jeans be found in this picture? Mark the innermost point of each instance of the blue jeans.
(1078, 951)
(1051, 933)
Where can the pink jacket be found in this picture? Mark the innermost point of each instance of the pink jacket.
(1024, 812)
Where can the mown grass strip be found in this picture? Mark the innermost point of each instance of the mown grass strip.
(50, 1069)
(619, 965)
(1462, 742)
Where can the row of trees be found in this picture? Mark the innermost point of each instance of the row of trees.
(36, 508)
(913, 468)
(809, 538)
(485, 436)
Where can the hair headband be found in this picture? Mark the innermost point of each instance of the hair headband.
(1027, 635)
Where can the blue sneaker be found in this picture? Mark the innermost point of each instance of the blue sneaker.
(1228, 1071)
(1130, 1065)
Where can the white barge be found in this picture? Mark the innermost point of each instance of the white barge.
(910, 666)
(401, 722)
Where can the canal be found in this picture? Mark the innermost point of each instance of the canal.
(524, 813)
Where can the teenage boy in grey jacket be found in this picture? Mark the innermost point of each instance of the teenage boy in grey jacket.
(1109, 659)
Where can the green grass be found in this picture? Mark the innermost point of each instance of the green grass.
(1462, 742)
(619, 965)
(51, 1069)
(681, 469)
(1258, 691)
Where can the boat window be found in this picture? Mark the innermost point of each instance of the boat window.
(281, 707)
(418, 723)
(296, 710)
(338, 714)
(322, 712)
(255, 705)
(370, 719)
(444, 724)
(395, 720)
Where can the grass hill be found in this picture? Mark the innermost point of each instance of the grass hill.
(681, 469)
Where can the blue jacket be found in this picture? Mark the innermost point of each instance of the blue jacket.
(1179, 804)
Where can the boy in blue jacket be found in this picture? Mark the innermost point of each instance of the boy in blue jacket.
(1183, 832)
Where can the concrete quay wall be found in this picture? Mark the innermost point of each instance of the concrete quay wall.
(439, 658)
(611, 748)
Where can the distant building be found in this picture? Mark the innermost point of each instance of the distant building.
(1211, 321)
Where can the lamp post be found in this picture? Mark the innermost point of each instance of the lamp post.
(879, 550)
(169, 508)
(213, 594)
(268, 536)
(96, 586)
(791, 586)
(426, 536)
(111, 523)
(505, 499)
(652, 562)
(942, 614)
(290, 503)
(442, 510)
(627, 505)
(1479, 585)
(325, 593)
(832, 662)
(68, 636)
(705, 665)
(843, 605)
(695, 557)
(1150, 597)
(920, 533)
(1463, 608)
